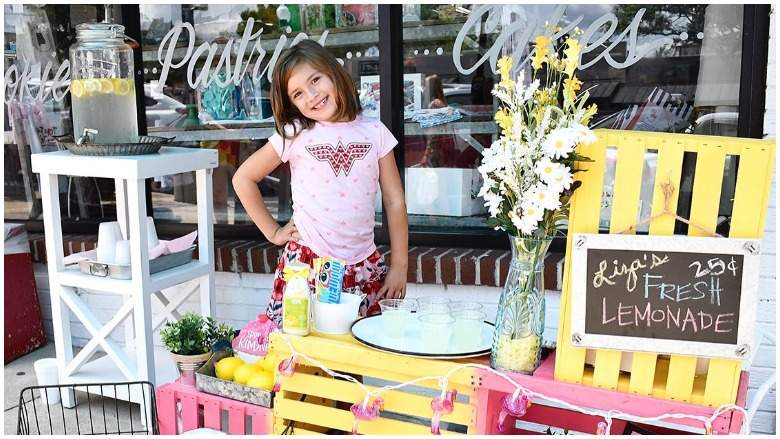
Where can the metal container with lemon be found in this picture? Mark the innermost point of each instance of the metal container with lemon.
(102, 86)
(234, 378)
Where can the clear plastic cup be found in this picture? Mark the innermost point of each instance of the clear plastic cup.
(436, 330)
(396, 315)
(433, 305)
(467, 330)
(459, 305)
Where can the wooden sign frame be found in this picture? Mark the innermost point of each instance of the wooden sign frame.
(749, 249)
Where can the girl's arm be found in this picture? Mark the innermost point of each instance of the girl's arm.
(395, 206)
(245, 180)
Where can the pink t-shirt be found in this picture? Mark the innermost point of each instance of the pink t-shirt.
(334, 171)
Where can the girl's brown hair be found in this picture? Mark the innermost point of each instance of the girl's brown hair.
(311, 52)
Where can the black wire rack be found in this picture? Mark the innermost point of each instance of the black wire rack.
(101, 408)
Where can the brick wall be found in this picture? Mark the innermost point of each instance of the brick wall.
(242, 296)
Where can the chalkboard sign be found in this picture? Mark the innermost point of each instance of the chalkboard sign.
(664, 294)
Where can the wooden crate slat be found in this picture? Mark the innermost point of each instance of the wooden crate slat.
(390, 366)
(166, 410)
(189, 412)
(236, 419)
(627, 187)
(343, 419)
(280, 425)
(212, 415)
(754, 184)
(705, 201)
(570, 362)
(668, 169)
(397, 401)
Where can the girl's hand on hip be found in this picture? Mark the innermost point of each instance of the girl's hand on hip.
(395, 285)
(284, 234)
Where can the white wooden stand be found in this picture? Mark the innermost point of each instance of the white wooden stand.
(137, 360)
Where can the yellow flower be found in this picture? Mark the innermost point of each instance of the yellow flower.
(504, 66)
(589, 113)
(541, 50)
(538, 114)
(570, 88)
(572, 53)
(504, 119)
(546, 96)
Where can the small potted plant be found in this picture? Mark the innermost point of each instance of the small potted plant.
(189, 341)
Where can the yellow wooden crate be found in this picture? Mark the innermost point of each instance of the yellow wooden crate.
(669, 377)
(320, 404)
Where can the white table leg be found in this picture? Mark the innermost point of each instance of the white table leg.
(120, 186)
(63, 342)
(203, 181)
(139, 259)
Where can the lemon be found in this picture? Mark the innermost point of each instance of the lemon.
(226, 367)
(105, 85)
(123, 87)
(77, 88)
(261, 380)
(244, 372)
(91, 85)
(267, 363)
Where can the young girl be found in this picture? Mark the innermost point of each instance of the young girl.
(337, 160)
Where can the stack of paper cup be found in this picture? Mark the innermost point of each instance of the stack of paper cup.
(108, 235)
(122, 252)
(46, 373)
(151, 233)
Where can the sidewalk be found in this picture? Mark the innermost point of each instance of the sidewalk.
(106, 413)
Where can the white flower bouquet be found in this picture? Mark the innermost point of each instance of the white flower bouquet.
(528, 172)
(528, 182)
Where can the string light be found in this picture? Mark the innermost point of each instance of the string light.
(516, 405)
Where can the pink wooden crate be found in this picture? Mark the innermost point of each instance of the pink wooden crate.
(492, 388)
(203, 410)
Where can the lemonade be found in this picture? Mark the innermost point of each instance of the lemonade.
(395, 322)
(107, 105)
(467, 330)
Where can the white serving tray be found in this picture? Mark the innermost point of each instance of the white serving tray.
(370, 332)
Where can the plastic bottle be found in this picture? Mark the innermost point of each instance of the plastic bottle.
(296, 304)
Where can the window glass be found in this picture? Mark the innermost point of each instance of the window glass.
(680, 74)
(236, 118)
(37, 39)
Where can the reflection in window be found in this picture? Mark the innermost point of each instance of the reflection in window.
(234, 116)
(680, 76)
(37, 36)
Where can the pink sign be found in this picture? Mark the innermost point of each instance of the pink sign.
(253, 339)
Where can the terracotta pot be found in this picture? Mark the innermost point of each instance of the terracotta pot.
(186, 365)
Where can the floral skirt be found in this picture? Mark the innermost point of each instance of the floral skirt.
(365, 277)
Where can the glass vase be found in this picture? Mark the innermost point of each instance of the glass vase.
(517, 340)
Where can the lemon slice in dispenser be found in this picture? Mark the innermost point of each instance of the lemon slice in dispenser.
(122, 87)
(91, 85)
(105, 85)
(77, 88)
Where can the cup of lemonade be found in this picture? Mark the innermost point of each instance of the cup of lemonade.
(396, 315)
(467, 329)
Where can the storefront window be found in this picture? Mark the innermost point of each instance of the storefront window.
(38, 38)
(236, 119)
(658, 68)
(679, 74)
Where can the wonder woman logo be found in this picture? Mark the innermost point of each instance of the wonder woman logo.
(340, 157)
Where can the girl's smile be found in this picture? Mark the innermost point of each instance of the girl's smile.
(313, 93)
